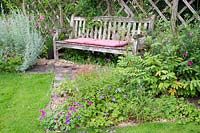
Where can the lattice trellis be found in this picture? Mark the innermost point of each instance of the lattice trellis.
(163, 9)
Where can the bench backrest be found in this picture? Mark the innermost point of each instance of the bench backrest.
(109, 27)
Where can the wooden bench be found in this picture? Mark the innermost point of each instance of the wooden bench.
(104, 28)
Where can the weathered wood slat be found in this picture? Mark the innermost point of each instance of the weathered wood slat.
(156, 8)
(83, 31)
(139, 28)
(76, 29)
(109, 29)
(100, 32)
(114, 30)
(104, 30)
(192, 10)
(95, 32)
(134, 29)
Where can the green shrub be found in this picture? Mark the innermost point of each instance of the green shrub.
(171, 67)
(9, 61)
(19, 32)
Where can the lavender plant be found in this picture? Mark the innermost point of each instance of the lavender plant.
(19, 31)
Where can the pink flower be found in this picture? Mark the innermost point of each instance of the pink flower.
(185, 53)
(41, 17)
(69, 113)
(43, 113)
(70, 108)
(74, 103)
(78, 126)
(189, 63)
(89, 102)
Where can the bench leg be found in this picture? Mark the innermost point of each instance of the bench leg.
(55, 51)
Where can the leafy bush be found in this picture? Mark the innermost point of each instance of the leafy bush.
(9, 61)
(171, 67)
(18, 32)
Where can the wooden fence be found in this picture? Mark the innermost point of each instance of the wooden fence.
(178, 11)
(164, 9)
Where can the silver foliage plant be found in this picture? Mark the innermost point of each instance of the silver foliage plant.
(18, 30)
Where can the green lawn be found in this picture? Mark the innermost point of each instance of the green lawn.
(21, 96)
(167, 127)
(161, 128)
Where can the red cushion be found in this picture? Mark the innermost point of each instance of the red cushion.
(98, 42)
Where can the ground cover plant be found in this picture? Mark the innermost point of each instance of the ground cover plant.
(21, 98)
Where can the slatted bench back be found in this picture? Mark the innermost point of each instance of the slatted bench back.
(109, 28)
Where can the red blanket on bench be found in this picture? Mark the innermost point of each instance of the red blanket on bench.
(98, 42)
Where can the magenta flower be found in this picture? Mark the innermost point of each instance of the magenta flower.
(189, 63)
(83, 98)
(67, 117)
(74, 103)
(41, 17)
(43, 113)
(69, 113)
(70, 108)
(89, 102)
(78, 126)
(60, 113)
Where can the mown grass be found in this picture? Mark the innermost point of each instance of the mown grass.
(166, 127)
(21, 96)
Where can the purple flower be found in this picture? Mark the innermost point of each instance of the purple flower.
(74, 103)
(78, 126)
(89, 102)
(67, 117)
(109, 87)
(69, 113)
(83, 98)
(67, 121)
(100, 97)
(189, 63)
(185, 53)
(43, 113)
(113, 99)
(60, 113)
(79, 117)
(70, 108)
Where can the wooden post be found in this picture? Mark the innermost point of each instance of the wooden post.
(174, 14)
(61, 15)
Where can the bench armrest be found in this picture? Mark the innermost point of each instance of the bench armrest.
(57, 31)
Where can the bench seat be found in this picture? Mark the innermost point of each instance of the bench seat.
(97, 42)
